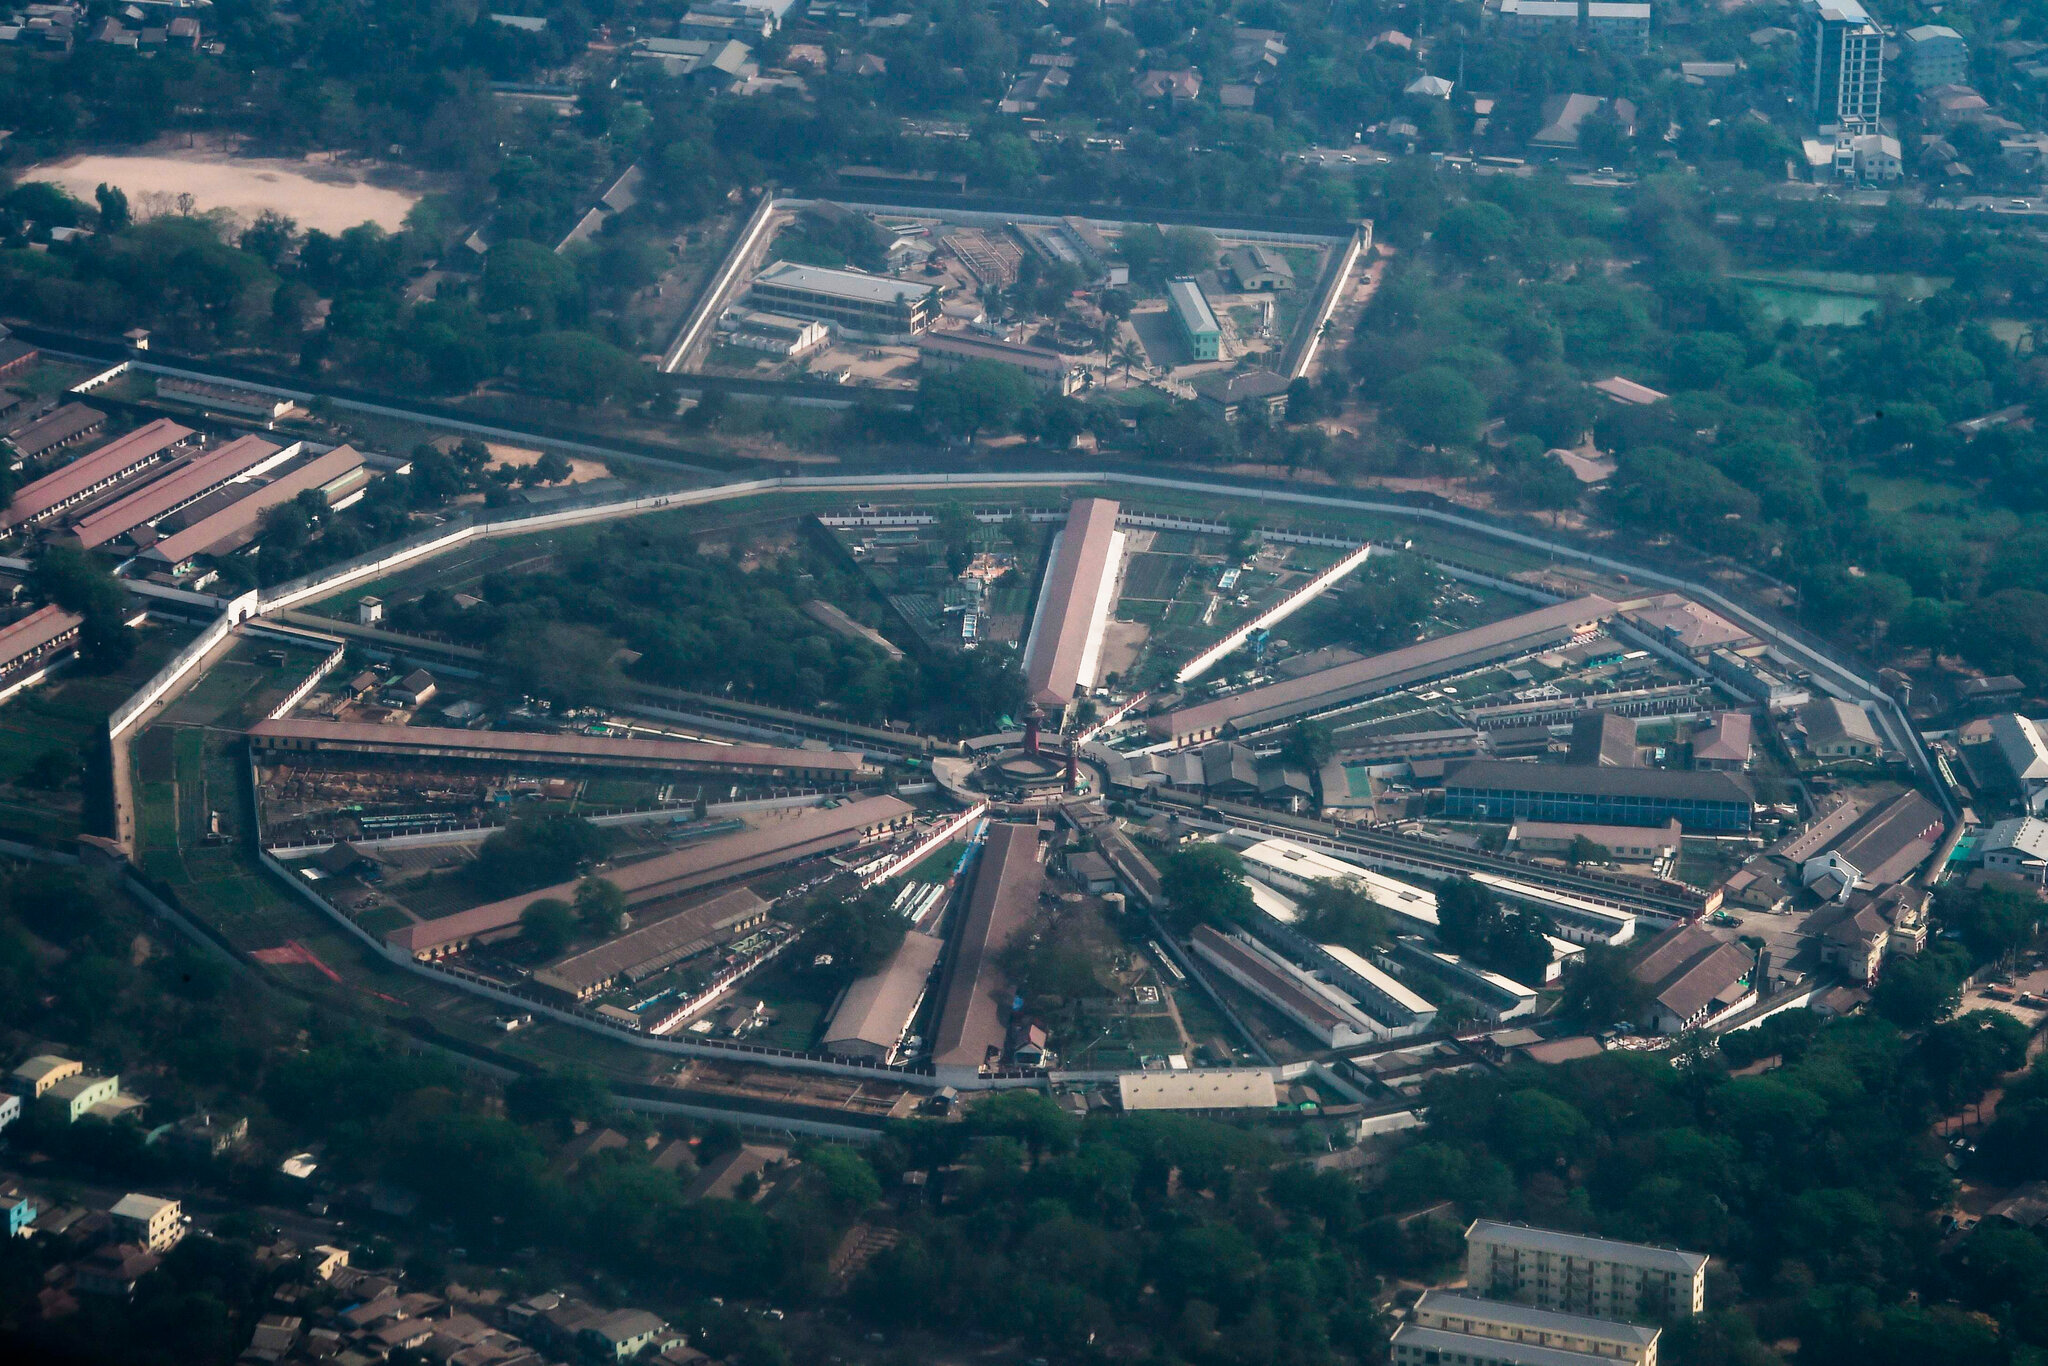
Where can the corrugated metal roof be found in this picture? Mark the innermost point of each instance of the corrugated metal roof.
(36, 630)
(1006, 887)
(805, 836)
(1072, 602)
(204, 474)
(117, 456)
(1290, 697)
(1579, 1245)
(876, 1008)
(1660, 783)
(217, 527)
(646, 947)
(521, 744)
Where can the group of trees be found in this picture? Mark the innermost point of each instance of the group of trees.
(701, 622)
(1472, 921)
(1528, 290)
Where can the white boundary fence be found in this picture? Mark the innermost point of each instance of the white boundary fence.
(1273, 615)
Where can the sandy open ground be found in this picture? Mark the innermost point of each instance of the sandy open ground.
(246, 187)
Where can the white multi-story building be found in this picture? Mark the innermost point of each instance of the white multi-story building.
(1936, 55)
(155, 1223)
(1449, 1326)
(1572, 1274)
(1840, 72)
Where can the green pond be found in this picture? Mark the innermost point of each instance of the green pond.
(1830, 298)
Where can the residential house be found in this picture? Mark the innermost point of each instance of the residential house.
(1231, 396)
(151, 1221)
(35, 1077)
(17, 1211)
(1983, 694)
(79, 1094)
(10, 1108)
(1565, 117)
(113, 1270)
(1856, 944)
(210, 1135)
(1724, 742)
(1832, 729)
(415, 689)
(1174, 86)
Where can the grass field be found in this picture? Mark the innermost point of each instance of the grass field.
(799, 1000)
(1150, 575)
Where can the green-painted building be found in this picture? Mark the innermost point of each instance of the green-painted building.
(1197, 321)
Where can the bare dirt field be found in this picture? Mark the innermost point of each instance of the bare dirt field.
(518, 457)
(315, 191)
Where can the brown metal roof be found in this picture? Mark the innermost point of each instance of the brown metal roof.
(1073, 590)
(216, 527)
(876, 1008)
(809, 835)
(654, 946)
(35, 631)
(117, 457)
(1384, 672)
(581, 749)
(47, 433)
(1006, 888)
(204, 474)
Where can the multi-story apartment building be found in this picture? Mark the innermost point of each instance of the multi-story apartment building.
(1840, 68)
(1447, 1325)
(1572, 1274)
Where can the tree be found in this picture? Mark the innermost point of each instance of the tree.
(1435, 406)
(600, 907)
(1603, 990)
(537, 852)
(1918, 991)
(1584, 851)
(1334, 912)
(77, 582)
(548, 924)
(526, 278)
(853, 936)
(1204, 885)
(1309, 743)
(114, 215)
(269, 237)
(1476, 230)
(582, 369)
(980, 394)
(1189, 251)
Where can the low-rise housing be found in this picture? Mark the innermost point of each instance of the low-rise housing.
(1724, 743)
(1624, 842)
(1502, 790)
(1832, 729)
(1325, 1012)
(34, 1077)
(17, 1211)
(1258, 268)
(37, 638)
(1046, 371)
(1231, 396)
